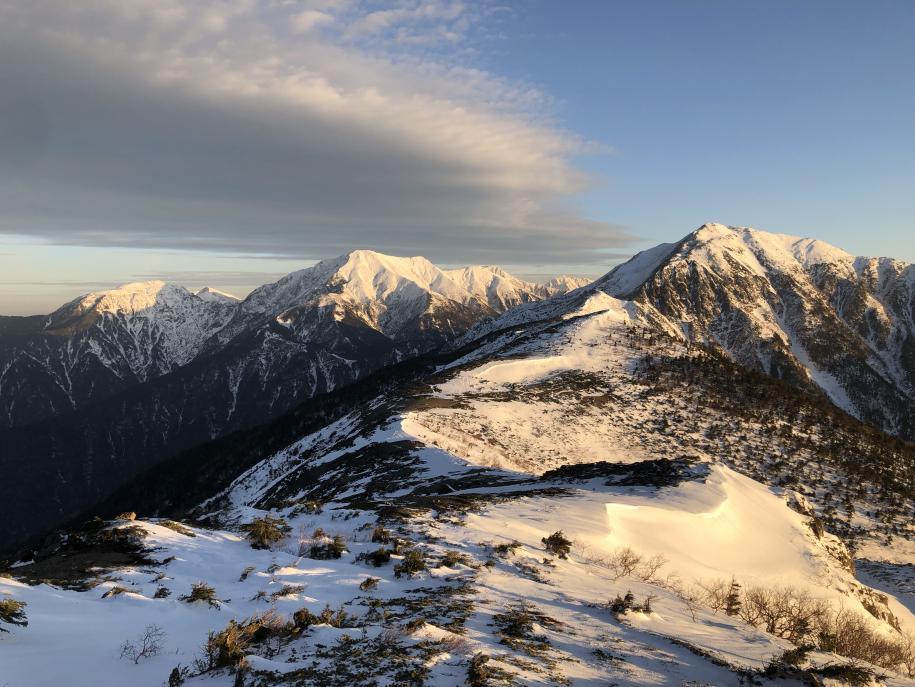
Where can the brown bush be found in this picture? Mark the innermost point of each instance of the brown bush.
(227, 648)
(12, 612)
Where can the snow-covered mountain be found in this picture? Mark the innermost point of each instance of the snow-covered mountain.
(798, 309)
(102, 343)
(502, 291)
(402, 298)
(579, 498)
(116, 381)
(106, 342)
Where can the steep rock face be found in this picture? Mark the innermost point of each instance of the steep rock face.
(798, 309)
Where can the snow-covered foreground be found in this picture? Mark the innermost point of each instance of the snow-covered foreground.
(448, 484)
(726, 525)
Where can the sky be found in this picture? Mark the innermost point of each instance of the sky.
(228, 142)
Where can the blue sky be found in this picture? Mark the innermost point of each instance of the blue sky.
(796, 117)
(226, 142)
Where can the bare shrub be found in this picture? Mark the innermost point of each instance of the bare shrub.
(147, 644)
(648, 568)
(714, 593)
(228, 647)
(623, 562)
(692, 597)
(785, 612)
(793, 614)
(849, 634)
(907, 645)
(456, 645)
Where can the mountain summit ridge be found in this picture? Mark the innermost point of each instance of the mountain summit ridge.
(795, 308)
(104, 342)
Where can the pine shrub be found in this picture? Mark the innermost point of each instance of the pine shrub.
(558, 544)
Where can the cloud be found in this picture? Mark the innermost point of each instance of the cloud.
(261, 127)
(308, 20)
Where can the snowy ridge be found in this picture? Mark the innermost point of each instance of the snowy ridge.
(796, 308)
(502, 291)
(559, 425)
(390, 292)
(210, 294)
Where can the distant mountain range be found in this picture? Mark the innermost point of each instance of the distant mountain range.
(352, 313)
(114, 381)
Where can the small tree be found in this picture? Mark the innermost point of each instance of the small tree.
(413, 562)
(328, 548)
(380, 535)
(201, 591)
(266, 531)
(558, 544)
(147, 644)
(12, 612)
(732, 601)
(368, 584)
(178, 675)
(622, 604)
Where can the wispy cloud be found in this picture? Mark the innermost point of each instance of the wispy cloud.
(294, 129)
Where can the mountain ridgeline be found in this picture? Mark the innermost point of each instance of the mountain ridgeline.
(113, 382)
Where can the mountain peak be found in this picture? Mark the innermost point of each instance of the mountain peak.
(133, 297)
(212, 295)
(808, 251)
(712, 230)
